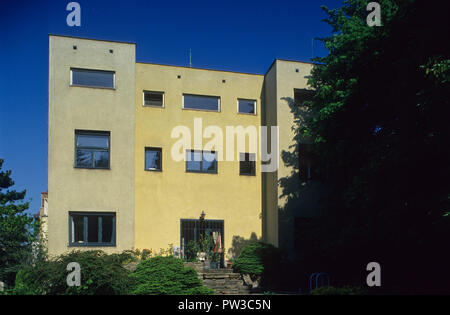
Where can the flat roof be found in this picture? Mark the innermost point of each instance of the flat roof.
(95, 39)
(197, 68)
(187, 67)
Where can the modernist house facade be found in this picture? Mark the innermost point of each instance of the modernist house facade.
(113, 182)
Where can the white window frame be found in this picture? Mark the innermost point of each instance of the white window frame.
(156, 106)
(219, 105)
(246, 99)
(90, 86)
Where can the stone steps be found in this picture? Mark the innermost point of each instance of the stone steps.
(222, 281)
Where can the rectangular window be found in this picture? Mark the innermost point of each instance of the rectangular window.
(92, 229)
(153, 98)
(308, 169)
(302, 95)
(246, 106)
(92, 78)
(91, 149)
(201, 161)
(201, 102)
(247, 164)
(153, 159)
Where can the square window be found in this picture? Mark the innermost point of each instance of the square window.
(247, 164)
(302, 95)
(91, 149)
(153, 98)
(153, 159)
(246, 106)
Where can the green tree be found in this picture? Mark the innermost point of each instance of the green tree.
(381, 134)
(17, 228)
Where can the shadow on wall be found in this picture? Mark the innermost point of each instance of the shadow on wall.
(238, 243)
(302, 189)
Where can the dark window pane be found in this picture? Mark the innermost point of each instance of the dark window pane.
(101, 159)
(95, 78)
(92, 229)
(247, 163)
(193, 160)
(302, 95)
(201, 102)
(153, 159)
(107, 227)
(77, 229)
(246, 106)
(93, 141)
(153, 98)
(209, 162)
(84, 158)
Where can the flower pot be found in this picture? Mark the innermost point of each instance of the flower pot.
(214, 265)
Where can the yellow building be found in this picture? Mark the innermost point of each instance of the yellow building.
(119, 177)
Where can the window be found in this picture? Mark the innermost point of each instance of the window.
(302, 95)
(307, 169)
(153, 159)
(92, 229)
(247, 164)
(153, 98)
(246, 106)
(201, 161)
(92, 78)
(201, 102)
(91, 149)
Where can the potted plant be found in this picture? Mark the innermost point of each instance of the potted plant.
(215, 260)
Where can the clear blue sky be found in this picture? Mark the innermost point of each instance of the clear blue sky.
(240, 36)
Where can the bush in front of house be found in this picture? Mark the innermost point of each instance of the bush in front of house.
(101, 274)
(259, 260)
(346, 290)
(168, 276)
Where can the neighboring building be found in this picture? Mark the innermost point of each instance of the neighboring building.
(112, 181)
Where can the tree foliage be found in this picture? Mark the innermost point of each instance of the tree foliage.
(101, 274)
(381, 134)
(18, 229)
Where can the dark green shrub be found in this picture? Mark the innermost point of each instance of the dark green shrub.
(166, 275)
(100, 274)
(347, 290)
(192, 248)
(258, 259)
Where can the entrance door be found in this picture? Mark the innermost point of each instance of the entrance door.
(191, 229)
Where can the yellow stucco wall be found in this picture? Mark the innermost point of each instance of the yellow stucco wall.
(163, 198)
(71, 108)
(149, 205)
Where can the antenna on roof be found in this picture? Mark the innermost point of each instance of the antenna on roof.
(312, 48)
(190, 58)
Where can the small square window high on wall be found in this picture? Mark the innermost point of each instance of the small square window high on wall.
(153, 159)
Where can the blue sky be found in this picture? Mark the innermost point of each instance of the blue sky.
(240, 36)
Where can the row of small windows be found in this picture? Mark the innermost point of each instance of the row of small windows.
(92, 150)
(106, 79)
(199, 102)
(198, 161)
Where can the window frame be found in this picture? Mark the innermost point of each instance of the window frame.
(219, 104)
(158, 92)
(247, 99)
(92, 132)
(254, 164)
(93, 86)
(85, 215)
(145, 160)
(216, 170)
